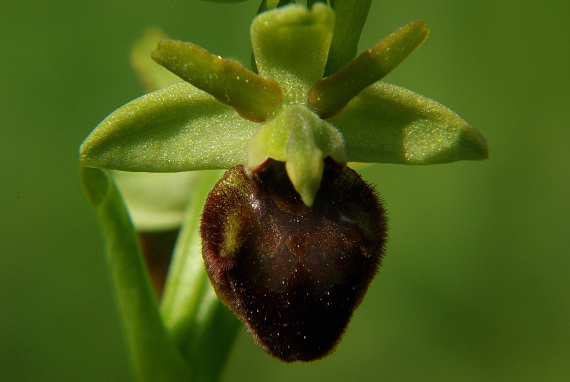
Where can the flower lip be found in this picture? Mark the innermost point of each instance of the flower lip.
(293, 274)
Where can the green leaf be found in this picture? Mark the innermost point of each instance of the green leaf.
(215, 336)
(350, 19)
(153, 354)
(251, 95)
(302, 140)
(152, 75)
(291, 45)
(203, 328)
(330, 95)
(177, 128)
(389, 124)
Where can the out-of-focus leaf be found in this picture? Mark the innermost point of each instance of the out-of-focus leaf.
(156, 201)
(389, 124)
(153, 354)
(152, 75)
(177, 128)
(215, 336)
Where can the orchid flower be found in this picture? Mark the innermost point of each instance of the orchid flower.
(307, 107)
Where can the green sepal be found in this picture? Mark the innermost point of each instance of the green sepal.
(291, 45)
(302, 140)
(154, 355)
(155, 201)
(389, 124)
(251, 95)
(176, 128)
(350, 18)
(330, 95)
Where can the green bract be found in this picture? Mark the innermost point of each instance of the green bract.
(225, 115)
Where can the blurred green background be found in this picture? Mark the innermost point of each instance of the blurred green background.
(476, 283)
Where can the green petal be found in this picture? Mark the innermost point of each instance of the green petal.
(330, 95)
(291, 46)
(389, 124)
(302, 140)
(177, 128)
(251, 95)
(350, 19)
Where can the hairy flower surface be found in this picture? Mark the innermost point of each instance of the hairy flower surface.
(293, 274)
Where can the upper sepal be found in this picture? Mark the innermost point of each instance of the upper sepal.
(291, 46)
(389, 124)
(176, 128)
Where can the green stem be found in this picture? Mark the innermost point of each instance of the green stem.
(154, 355)
(204, 329)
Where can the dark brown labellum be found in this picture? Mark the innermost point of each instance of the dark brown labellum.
(293, 274)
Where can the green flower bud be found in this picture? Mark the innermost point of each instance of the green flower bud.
(292, 273)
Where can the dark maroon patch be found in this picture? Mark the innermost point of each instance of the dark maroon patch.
(293, 274)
